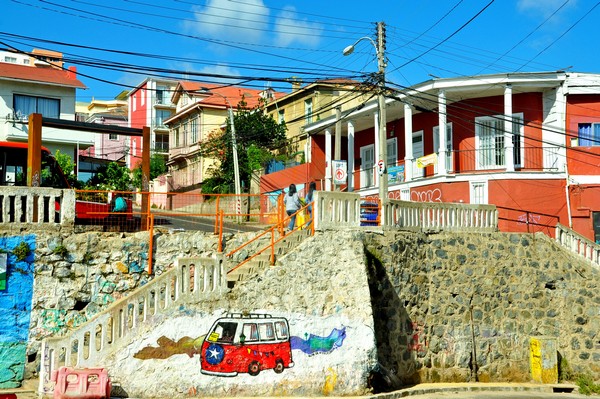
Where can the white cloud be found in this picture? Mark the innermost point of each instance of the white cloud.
(289, 29)
(543, 7)
(230, 20)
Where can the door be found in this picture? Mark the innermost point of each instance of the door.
(418, 151)
(367, 156)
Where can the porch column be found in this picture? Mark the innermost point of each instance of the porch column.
(441, 167)
(509, 159)
(408, 144)
(350, 156)
(377, 155)
(328, 164)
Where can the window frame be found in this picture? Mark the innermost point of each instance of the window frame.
(308, 110)
(594, 135)
(497, 151)
(20, 115)
(474, 196)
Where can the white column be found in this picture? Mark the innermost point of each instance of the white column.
(509, 159)
(328, 165)
(441, 167)
(408, 149)
(376, 124)
(350, 156)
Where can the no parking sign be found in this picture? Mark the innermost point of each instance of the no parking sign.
(340, 172)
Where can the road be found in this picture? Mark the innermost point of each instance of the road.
(183, 223)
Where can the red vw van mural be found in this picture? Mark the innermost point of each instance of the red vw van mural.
(246, 343)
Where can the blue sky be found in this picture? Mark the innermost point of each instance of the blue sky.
(264, 42)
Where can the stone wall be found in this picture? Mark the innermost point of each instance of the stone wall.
(433, 299)
(438, 296)
(330, 323)
(73, 276)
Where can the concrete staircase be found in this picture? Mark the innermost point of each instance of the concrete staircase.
(261, 259)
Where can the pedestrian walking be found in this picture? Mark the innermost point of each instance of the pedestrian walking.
(292, 205)
(309, 201)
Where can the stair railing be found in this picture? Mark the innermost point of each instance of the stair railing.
(190, 278)
(578, 244)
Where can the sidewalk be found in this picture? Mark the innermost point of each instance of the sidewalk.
(29, 390)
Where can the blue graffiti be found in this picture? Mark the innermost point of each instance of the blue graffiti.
(314, 344)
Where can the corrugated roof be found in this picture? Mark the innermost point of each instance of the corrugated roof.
(48, 75)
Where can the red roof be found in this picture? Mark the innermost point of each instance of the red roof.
(233, 93)
(40, 74)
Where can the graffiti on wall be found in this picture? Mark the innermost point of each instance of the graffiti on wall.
(3, 259)
(15, 307)
(434, 195)
(245, 343)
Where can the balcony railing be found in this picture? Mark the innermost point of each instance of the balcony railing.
(546, 158)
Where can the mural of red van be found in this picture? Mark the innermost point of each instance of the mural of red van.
(246, 343)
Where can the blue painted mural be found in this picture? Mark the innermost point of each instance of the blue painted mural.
(15, 308)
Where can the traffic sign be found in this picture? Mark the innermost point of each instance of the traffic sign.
(380, 167)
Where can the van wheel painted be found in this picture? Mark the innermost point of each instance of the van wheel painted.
(253, 368)
(278, 366)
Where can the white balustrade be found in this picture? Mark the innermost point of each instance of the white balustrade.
(20, 206)
(578, 244)
(424, 216)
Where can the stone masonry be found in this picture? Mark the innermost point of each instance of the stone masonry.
(434, 297)
(437, 297)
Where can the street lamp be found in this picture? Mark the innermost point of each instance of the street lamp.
(382, 162)
(236, 165)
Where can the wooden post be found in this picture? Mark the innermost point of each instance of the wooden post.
(34, 151)
(145, 176)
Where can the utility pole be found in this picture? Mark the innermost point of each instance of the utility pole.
(382, 163)
(236, 167)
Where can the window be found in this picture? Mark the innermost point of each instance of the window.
(266, 331)
(392, 152)
(418, 151)
(308, 110)
(226, 332)
(281, 118)
(405, 194)
(113, 136)
(162, 143)
(281, 330)
(26, 105)
(589, 134)
(194, 131)
(250, 332)
(161, 95)
(176, 133)
(367, 158)
(479, 192)
(489, 132)
(161, 115)
(12, 60)
(143, 97)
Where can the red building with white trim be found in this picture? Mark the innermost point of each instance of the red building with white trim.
(528, 143)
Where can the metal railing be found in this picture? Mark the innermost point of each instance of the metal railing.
(198, 278)
(578, 244)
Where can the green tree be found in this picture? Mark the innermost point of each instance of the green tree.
(111, 177)
(259, 139)
(68, 167)
(158, 167)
